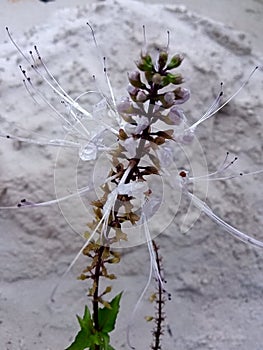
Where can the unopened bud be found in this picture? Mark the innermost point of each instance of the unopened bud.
(141, 96)
(135, 79)
(169, 99)
(176, 115)
(172, 79)
(125, 106)
(188, 137)
(149, 76)
(175, 62)
(145, 64)
(133, 92)
(157, 78)
(163, 56)
(181, 95)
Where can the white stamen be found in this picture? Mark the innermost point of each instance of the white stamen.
(55, 142)
(59, 91)
(213, 111)
(26, 204)
(232, 230)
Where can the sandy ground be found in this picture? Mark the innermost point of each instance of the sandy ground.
(244, 15)
(216, 281)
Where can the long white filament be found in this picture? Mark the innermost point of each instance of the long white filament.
(28, 205)
(213, 112)
(230, 229)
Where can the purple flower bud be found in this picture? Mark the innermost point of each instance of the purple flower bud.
(141, 96)
(181, 95)
(176, 115)
(135, 75)
(135, 79)
(132, 91)
(169, 98)
(125, 106)
(188, 137)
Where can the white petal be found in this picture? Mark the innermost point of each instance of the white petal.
(135, 189)
(130, 145)
(88, 152)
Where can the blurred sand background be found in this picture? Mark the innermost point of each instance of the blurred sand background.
(244, 15)
(216, 281)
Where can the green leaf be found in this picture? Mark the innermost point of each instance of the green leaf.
(110, 347)
(84, 339)
(106, 340)
(107, 316)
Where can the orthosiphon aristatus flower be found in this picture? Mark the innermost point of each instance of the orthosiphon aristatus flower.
(144, 126)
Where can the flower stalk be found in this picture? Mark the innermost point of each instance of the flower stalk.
(160, 302)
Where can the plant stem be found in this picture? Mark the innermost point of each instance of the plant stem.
(160, 302)
(96, 292)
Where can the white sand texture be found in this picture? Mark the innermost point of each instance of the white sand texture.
(215, 280)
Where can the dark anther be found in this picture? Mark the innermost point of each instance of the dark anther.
(19, 205)
(7, 136)
(23, 200)
(182, 173)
